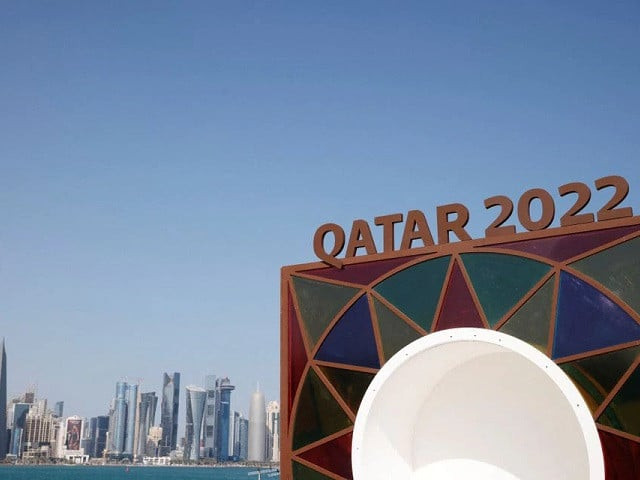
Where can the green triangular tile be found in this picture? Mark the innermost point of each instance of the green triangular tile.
(622, 412)
(319, 303)
(394, 332)
(415, 291)
(302, 472)
(318, 414)
(532, 321)
(501, 280)
(596, 376)
(350, 384)
(618, 269)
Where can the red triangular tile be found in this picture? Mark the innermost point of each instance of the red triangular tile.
(297, 353)
(621, 456)
(360, 273)
(458, 309)
(334, 456)
(563, 247)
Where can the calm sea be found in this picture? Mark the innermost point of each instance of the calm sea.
(120, 473)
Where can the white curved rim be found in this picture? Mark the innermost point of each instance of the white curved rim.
(566, 386)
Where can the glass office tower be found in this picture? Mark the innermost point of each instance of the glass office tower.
(195, 400)
(223, 412)
(169, 412)
(3, 401)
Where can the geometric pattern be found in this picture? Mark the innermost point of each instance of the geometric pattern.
(576, 297)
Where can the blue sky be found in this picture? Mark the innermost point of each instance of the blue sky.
(160, 161)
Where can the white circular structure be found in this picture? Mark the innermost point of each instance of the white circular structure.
(478, 404)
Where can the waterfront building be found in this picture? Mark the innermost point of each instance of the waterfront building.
(243, 438)
(119, 424)
(3, 401)
(209, 416)
(273, 432)
(257, 427)
(58, 409)
(146, 417)
(100, 436)
(132, 409)
(38, 431)
(195, 401)
(19, 411)
(153, 442)
(169, 412)
(240, 437)
(223, 412)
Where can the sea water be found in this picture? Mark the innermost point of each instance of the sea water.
(76, 472)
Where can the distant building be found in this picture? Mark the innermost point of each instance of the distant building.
(223, 412)
(118, 427)
(58, 409)
(244, 439)
(122, 421)
(209, 426)
(132, 411)
(169, 412)
(240, 436)
(257, 427)
(3, 401)
(19, 411)
(38, 432)
(153, 442)
(273, 432)
(195, 402)
(146, 418)
(99, 429)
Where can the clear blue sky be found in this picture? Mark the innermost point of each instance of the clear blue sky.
(160, 161)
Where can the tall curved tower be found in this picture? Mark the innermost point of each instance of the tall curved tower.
(257, 427)
(195, 400)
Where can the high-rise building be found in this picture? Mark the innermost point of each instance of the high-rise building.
(195, 400)
(146, 417)
(132, 409)
(257, 427)
(244, 438)
(209, 435)
(38, 432)
(3, 402)
(223, 412)
(169, 412)
(58, 409)
(97, 444)
(119, 425)
(19, 411)
(273, 432)
(240, 436)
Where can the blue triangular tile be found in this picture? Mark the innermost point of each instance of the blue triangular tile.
(589, 320)
(351, 340)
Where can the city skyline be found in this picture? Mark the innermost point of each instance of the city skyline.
(128, 432)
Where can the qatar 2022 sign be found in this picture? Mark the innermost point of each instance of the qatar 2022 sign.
(572, 292)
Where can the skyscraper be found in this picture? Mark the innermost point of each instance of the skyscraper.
(58, 409)
(132, 408)
(257, 427)
(223, 412)
(117, 430)
(209, 416)
(195, 400)
(169, 412)
(273, 432)
(3, 401)
(146, 418)
(99, 428)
